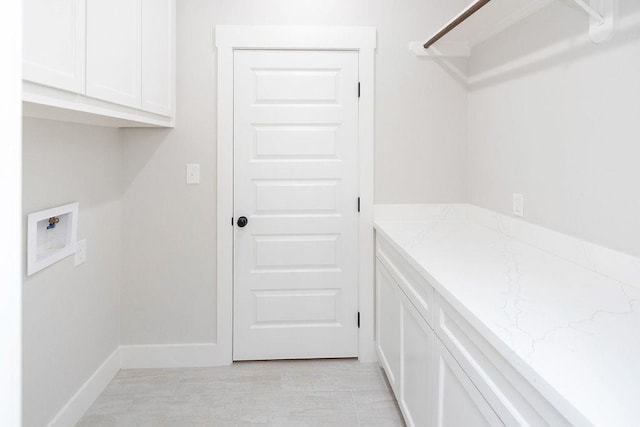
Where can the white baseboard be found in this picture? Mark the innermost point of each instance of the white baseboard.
(75, 408)
(173, 356)
(137, 356)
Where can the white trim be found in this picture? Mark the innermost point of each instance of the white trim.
(171, 356)
(292, 37)
(11, 215)
(366, 250)
(224, 251)
(82, 400)
(229, 38)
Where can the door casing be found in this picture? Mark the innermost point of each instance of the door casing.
(230, 38)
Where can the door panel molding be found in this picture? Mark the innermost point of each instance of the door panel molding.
(230, 38)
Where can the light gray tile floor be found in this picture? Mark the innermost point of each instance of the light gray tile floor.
(333, 393)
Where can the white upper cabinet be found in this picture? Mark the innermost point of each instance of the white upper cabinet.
(101, 62)
(114, 51)
(158, 53)
(54, 43)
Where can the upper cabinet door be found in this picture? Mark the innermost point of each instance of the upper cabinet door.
(54, 43)
(158, 52)
(113, 51)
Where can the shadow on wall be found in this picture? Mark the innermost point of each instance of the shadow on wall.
(563, 40)
(456, 68)
(55, 154)
(145, 148)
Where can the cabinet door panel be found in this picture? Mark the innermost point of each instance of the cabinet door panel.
(158, 56)
(512, 397)
(407, 278)
(459, 403)
(114, 51)
(54, 43)
(417, 366)
(388, 311)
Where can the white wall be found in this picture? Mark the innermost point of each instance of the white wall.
(563, 130)
(71, 315)
(10, 218)
(169, 228)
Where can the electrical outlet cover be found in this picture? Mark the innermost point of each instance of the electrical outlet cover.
(518, 204)
(193, 173)
(81, 252)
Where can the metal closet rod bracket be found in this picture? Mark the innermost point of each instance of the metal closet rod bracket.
(603, 18)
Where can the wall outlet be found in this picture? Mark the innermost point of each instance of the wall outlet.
(193, 173)
(81, 252)
(518, 204)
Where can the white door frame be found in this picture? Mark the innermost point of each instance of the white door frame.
(230, 38)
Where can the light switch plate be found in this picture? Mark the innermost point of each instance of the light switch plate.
(518, 204)
(193, 173)
(81, 252)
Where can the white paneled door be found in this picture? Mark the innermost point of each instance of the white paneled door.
(296, 181)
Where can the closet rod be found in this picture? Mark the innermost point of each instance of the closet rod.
(473, 8)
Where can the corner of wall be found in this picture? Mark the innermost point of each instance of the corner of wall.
(467, 163)
(82, 400)
(121, 141)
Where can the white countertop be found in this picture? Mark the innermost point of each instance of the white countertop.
(572, 332)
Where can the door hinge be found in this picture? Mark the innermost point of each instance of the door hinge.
(358, 89)
(232, 221)
(358, 204)
(358, 319)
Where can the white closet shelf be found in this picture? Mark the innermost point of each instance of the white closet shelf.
(483, 19)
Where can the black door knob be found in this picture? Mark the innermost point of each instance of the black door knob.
(242, 221)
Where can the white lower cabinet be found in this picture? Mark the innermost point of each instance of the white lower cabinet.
(388, 306)
(429, 385)
(458, 401)
(442, 371)
(515, 401)
(416, 361)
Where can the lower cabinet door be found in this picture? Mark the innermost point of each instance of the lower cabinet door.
(388, 312)
(459, 403)
(417, 395)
